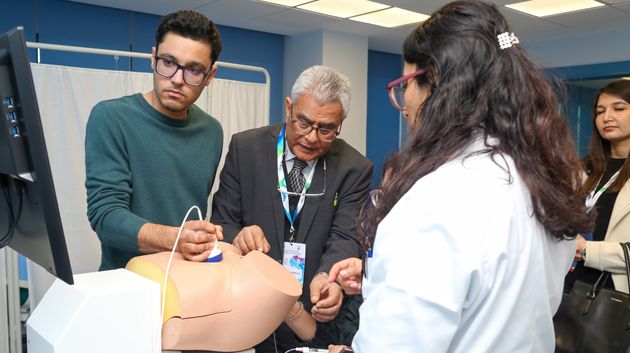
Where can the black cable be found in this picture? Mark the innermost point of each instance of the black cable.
(14, 217)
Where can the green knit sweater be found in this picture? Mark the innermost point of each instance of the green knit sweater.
(142, 166)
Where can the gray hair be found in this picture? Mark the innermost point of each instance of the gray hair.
(325, 85)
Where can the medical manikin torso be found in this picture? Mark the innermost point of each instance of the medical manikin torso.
(225, 306)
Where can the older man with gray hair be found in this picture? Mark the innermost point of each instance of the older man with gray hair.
(292, 190)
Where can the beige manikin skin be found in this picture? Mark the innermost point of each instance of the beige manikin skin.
(227, 306)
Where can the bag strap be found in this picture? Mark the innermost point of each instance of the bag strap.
(626, 256)
(591, 294)
(603, 278)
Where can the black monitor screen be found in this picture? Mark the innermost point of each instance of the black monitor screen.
(29, 215)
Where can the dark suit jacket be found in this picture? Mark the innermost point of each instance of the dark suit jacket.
(248, 195)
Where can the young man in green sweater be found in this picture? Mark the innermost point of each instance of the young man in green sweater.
(150, 157)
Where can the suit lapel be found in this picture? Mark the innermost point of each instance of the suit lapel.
(272, 175)
(621, 207)
(312, 204)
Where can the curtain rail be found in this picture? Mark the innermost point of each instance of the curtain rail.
(86, 50)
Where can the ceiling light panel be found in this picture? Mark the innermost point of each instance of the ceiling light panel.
(542, 8)
(286, 2)
(392, 17)
(343, 8)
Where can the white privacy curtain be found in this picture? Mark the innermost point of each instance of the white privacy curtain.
(66, 96)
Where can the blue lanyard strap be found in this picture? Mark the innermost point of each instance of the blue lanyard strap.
(282, 184)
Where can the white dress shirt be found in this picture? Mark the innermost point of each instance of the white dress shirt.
(460, 264)
(290, 157)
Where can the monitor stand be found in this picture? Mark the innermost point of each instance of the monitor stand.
(103, 312)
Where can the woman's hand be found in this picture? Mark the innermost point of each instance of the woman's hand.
(348, 274)
(581, 243)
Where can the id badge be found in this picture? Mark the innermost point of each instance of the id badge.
(294, 259)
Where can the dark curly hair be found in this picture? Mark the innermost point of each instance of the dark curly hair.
(478, 88)
(193, 25)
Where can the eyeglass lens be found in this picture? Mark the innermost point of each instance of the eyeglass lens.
(302, 128)
(397, 96)
(167, 68)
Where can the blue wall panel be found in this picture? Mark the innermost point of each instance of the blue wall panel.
(18, 13)
(579, 113)
(383, 121)
(71, 23)
(257, 49)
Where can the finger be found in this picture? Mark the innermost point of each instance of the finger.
(355, 267)
(326, 302)
(243, 245)
(323, 311)
(249, 240)
(266, 247)
(334, 271)
(198, 236)
(260, 241)
(316, 288)
(211, 230)
(219, 232)
(236, 243)
(350, 286)
(322, 318)
(197, 256)
(197, 247)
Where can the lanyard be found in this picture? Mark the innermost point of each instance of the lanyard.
(282, 183)
(592, 198)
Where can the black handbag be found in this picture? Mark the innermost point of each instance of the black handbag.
(592, 319)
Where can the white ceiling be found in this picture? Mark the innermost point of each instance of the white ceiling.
(255, 15)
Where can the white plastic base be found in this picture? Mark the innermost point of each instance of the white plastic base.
(103, 312)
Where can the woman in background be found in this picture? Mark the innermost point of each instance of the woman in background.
(607, 190)
(473, 232)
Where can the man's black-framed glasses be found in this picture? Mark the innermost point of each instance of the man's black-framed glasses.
(193, 76)
(396, 89)
(303, 127)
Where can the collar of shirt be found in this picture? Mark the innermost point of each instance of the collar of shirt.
(289, 157)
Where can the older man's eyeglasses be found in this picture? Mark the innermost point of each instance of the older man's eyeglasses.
(193, 76)
(283, 190)
(303, 127)
(396, 89)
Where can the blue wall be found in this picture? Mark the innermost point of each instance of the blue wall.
(579, 113)
(70, 23)
(383, 121)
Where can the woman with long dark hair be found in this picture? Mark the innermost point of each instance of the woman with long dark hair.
(607, 190)
(474, 229)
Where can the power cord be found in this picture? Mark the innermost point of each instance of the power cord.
(13, 217)
(170, 260)
(307, 350)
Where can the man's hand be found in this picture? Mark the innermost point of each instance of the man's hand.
(326, 297)
(348, 274)
(251, 238)
(197, 239)
(338, 349)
